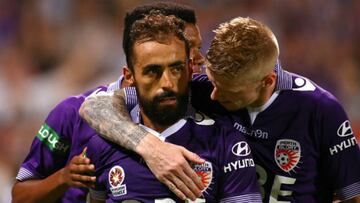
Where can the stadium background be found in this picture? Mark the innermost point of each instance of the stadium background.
(51, 49)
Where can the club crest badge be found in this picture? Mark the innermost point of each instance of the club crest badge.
(287, 154)
(116, 178)
(204, 172)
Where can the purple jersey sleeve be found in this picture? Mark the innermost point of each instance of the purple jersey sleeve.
(50, 148)
(342, 153)
(238, 181)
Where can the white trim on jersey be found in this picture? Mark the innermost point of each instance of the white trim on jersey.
(168, 131)
(136, 118)
(348, 192)
(242, 198)
(25, 174)
(115, 85)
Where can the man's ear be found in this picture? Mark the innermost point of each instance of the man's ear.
(190, 67)
(270, 79)
(128, 77)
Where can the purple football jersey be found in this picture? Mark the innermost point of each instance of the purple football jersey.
(301, 141)
(228, 173)
(63, 136)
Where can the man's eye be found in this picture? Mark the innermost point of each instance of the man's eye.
(178, 68)
(151, 71)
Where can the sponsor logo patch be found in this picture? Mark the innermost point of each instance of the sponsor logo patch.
(256, 133)
(303, 84)
(287, 154)
(116, 178)
(204, 172)
(202, 119)
(52, 140)
(345, 129)
(241, 149)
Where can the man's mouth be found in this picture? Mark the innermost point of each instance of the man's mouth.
(168, 101)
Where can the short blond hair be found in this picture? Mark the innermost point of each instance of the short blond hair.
(240, 44)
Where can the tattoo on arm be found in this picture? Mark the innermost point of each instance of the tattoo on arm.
(108, 115)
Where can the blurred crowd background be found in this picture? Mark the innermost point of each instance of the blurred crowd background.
(51, 49)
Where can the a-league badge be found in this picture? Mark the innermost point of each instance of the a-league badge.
(205, 172)
(287, 154)
(116, 178)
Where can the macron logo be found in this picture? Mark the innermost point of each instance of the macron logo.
(345, 129)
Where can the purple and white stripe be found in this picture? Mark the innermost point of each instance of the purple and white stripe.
(242, 198)
(25, 174)
(130, 97)
(284, 78)
(349, 191)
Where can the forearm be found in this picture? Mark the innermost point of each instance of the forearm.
(108, 115)
(49, 189)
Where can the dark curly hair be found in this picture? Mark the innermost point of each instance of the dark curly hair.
(184, 12)
(154, 27)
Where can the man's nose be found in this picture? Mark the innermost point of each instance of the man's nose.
(167, 80)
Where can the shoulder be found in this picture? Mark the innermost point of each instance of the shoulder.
(305, 91)
(74, 102)
(67, 110)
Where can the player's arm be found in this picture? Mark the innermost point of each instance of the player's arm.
(53, 187)
(342, 163)
(108, 115)
(353, 200)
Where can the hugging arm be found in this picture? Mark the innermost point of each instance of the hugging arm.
(108, 115)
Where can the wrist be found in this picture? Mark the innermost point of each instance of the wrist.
(61, 178)
(146, 144)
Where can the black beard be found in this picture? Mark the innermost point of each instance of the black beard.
(168, 115)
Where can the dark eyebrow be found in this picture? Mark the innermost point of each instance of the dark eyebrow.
(151, 66)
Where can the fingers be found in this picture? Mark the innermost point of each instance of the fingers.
(192, 180)
(181, 183)
(82, 168)
(169, 163)
(189, 172)
(81, 164)
(80, 160)
(187, 185)
(192, 157)
(83, 178)
(173, 189)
